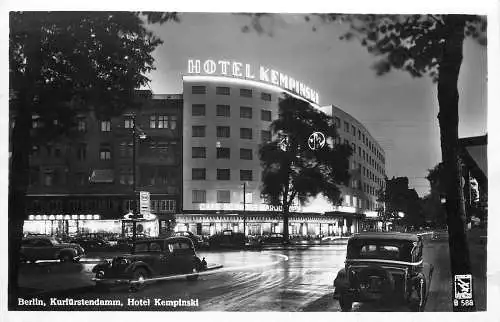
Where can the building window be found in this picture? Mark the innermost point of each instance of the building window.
(346, 141)
(245, 133)
(223, 110)
(49, 178)
(199, 152)
(223, 196)
(245, 112)
(164, 205)
(82, 152)
(222, 90)
(199, 131)
(265, 115)
(353, 130)
(105, 126)
(347, 200)
(105, 152)
(346, 126)
(223, 131)
(199, 174)
(163, 121)
(129, 123)
(265, 136)
(246, 175)
(198, 90)
(265, 96)
(223, 174)
(152, 121)
(353, 146)
(246, 154)
(198, 110)
(244, 92)
(337, 122)
(199, 196)
(359, 134)
(82, 124)
(359, 150)
(223, 153)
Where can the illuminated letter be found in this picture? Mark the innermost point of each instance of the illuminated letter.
(308, 93)
(283, 81)
(223, 64)
(264, 76)
(248, 71)
(209, 66)
(302, 90)
(292, 84)
(194, 66)
(274, 77)
(316, 100)
(237, 69)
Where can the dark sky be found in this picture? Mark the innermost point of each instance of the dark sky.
(398, 110)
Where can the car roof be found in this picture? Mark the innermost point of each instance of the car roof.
(386, 235)
(169, 239)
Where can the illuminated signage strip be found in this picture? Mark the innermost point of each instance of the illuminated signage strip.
(237, 206)
(248, 72)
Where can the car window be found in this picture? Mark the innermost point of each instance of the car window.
(179, 247)
(155, 247)
(142, 247)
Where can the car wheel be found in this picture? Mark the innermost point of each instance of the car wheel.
(138, 277)
(193, 277)
(345, 302)
(65, 258)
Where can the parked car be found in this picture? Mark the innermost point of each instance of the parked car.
(92, 243)
(384, 267)
(36, 248)
(150, 259)
(227, 239)
(273, 239)
(198, 241)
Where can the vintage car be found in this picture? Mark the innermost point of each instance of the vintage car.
(198, 241)
(36, 248)
(384, 267)
(150, 259)
(227, 239)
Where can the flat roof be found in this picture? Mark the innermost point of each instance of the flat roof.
(386, 235)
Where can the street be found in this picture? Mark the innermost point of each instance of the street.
(269, 280)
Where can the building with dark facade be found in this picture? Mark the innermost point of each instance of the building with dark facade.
(93, 173)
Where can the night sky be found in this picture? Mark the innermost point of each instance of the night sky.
(398, 110)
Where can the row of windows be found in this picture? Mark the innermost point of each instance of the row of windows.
(365, 155)
(222, 174)
(365, 187)
(225, 111)
(199, 131)
(221, 90)
(200, 152)
(354, 201)
(156, 121)
(223, 196)
(350, 128)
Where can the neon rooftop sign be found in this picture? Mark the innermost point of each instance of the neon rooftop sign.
(248, 71)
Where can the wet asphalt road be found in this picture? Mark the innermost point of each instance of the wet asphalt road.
(270, 280)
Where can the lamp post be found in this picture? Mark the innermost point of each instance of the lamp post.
(244, 208)
(135, 215)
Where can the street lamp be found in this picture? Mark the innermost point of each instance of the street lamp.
(137, 133)
(244, 208)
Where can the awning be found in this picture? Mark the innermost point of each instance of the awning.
(102, 176)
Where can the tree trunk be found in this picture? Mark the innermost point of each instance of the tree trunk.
(448, 97)
(21, 148)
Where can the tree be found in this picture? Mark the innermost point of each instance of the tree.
(421, 45)
(291, 169)
(399, 198)
(62, 64)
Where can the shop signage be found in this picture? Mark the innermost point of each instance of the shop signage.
(144, 202)
(237, 206)
(250, 72)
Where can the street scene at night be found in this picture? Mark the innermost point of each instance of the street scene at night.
(326, 163)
